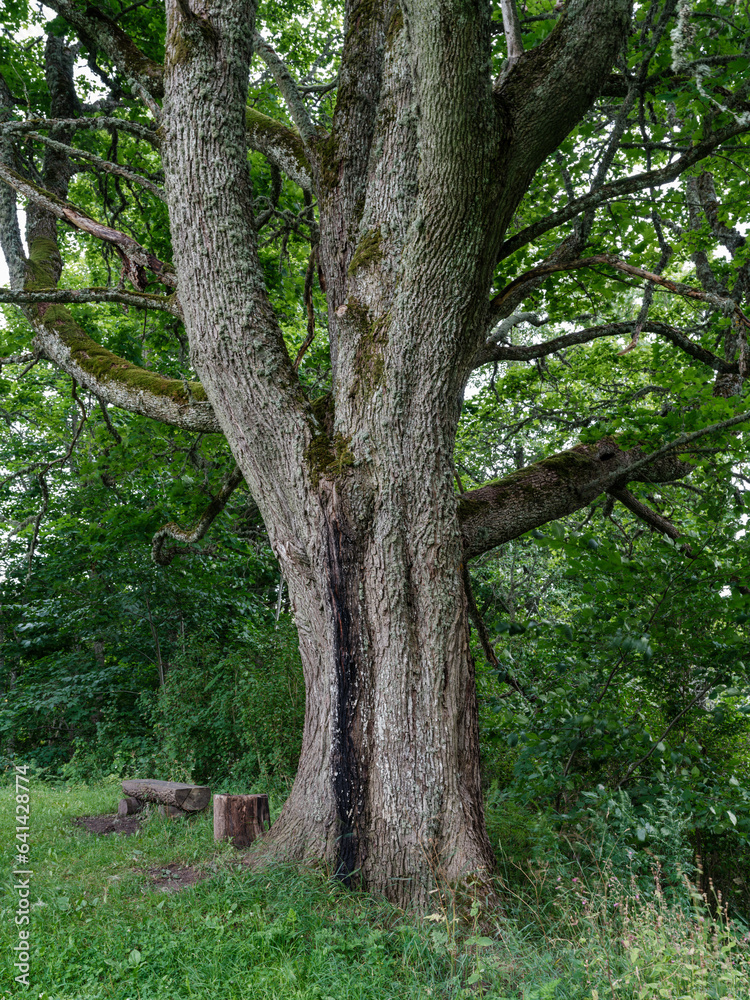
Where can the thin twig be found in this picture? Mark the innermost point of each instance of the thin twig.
(670, 727)
(484, 639)
(71, 295)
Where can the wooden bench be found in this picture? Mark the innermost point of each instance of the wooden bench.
(173, 798)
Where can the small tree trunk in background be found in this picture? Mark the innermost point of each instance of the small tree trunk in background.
(155, 634)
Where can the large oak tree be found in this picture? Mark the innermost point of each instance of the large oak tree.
(424, 195)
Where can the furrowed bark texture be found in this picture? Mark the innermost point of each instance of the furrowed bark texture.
(415, 183)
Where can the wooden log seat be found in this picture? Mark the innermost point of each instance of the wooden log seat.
(170, 794)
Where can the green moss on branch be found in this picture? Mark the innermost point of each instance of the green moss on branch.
(328, 454)
(269, 133)
(104, 366)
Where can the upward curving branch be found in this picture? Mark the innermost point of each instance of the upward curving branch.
(288, 87)
(164, 556)
(551, 87)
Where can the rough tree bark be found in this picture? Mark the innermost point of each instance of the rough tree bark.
(416, 183)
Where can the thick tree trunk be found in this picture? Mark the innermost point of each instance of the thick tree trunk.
(388, 786)
(415, 184)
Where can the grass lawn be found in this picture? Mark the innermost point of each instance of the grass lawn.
(169, 914)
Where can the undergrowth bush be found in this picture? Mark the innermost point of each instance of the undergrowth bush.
(233, 720)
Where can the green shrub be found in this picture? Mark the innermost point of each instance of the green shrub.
(233, 720)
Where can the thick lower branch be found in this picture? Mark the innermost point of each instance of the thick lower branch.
(566, 482)
(554, 488)
(171, 401)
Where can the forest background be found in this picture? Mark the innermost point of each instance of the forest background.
(614, 669)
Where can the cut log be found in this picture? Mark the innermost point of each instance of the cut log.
(189, 798)
(171, 812)
(240, 818)
(128, 806)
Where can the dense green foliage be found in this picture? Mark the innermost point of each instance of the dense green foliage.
(619, 770)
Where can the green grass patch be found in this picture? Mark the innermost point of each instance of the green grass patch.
(104, 924)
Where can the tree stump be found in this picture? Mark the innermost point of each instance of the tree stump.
(128, 806)
(240, 818)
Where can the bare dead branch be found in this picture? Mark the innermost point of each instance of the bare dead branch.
(512, 29)
(134, 257)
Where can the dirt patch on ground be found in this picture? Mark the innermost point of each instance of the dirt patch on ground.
(127, 825)
(174, 877)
